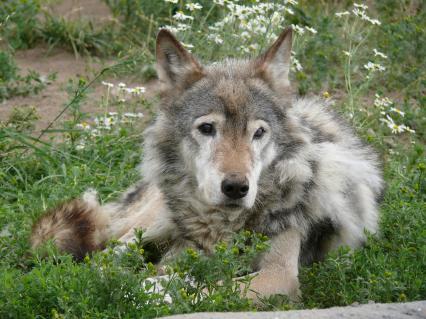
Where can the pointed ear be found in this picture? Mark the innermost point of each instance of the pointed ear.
(175, 65)
(274, 64)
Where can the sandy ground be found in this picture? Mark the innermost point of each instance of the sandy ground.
(51, 100)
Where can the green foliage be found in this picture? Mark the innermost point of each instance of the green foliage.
(14, 84)
(37, 173)
(19, 22)
(117, 285)
(79, 36)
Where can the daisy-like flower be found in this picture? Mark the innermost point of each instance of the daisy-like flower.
(359, 12)
(295, 64)
(107, 84)
(311, 30)
(395, 128)
(83, 126)
(193, 6)
(170, 28)
(361, 6)
(139, 90)
(370, 66)
(380, 54)
(341, 14)
(219, 2)
(81, 145)
(187, 45)
(215, 38)
(382, 102)
(374, 21)
(408, 129)
(396, 110)
(299, 30)
(182, 16)
(289, 10)
(275, 19)
(347, 53)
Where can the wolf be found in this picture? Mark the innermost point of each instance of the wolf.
(233, 148)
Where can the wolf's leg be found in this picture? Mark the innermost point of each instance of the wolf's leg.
(149, 213)
(279, 268)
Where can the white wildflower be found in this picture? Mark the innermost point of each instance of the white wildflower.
(359, 13)
(83, 126)
(139, 90)
(295, 64)
(382, 102)
(193, 6)
(312, 30)
(347, 53)
(276, 19)
(370, 66)
(408, 129)
(289, 10)
(109, 121)
(360, 5)
(95, 132)
(170, 28)
(341, 14)
(375, 21)
(182, 17)
(121, 85)
(396, 110)
(112, 114)
(187, 45)
(219, 2)
(171, 1)
(298, 29)
(107, 84)
(395, 128)
(81, 145)
(215, 38)
(380, 54)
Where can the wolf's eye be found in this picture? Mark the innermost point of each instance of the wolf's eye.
(259, 133)
(207, 129)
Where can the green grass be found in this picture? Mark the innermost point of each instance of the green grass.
(38, 173)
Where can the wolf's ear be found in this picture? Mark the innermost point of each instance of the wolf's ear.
(175, 65)
(274, 64)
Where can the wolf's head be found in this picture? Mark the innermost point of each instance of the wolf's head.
(223, 122)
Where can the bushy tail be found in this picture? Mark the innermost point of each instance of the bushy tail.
(76, 227)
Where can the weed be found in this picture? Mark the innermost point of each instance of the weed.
(337, 54)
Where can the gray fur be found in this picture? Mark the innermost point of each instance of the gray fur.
(315, 184)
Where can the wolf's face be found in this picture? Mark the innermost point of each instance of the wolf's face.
(229, 116)
(228, 144)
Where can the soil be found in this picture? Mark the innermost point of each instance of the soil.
(51, 100)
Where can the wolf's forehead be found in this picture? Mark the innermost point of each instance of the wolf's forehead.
(235, 95)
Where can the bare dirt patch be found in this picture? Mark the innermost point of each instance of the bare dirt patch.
(93, 10)
(67, 67)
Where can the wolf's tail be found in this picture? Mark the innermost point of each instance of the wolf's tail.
(76, 227)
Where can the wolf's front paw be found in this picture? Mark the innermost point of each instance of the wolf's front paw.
(268, 283)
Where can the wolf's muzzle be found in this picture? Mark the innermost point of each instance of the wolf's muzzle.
(235, 186)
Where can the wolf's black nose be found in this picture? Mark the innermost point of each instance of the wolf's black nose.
(235, 186)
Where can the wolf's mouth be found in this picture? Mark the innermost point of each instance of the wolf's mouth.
(232, 205)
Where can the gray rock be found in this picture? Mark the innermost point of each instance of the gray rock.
(410, 310)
